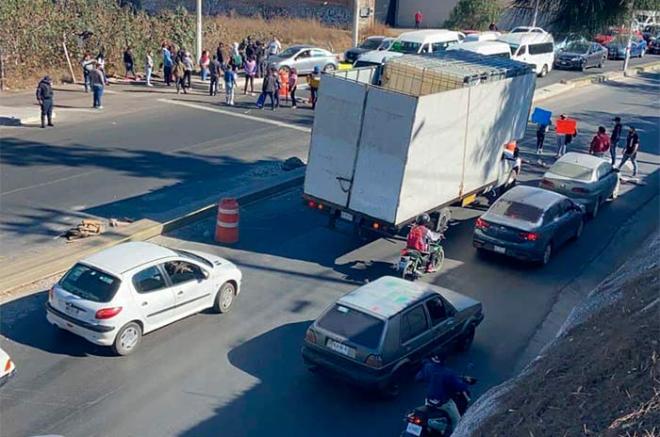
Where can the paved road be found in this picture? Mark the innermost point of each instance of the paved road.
(241, 374)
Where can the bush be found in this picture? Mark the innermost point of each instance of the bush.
(474, 14)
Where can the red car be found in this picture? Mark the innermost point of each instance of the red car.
(607, 37)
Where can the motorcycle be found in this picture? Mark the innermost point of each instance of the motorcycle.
(412, 263)
(433, 421)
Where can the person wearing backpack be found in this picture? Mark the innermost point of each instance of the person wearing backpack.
(420, 237)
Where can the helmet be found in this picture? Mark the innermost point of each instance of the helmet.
(423, 219)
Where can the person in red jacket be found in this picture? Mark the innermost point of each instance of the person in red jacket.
(418, 19)
(600, 144)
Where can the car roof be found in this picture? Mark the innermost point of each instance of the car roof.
(376, 37)
(533, 196)
(487, 47)
(387, 296)
(525, 38)
(422, 36)
(581, 159)
(379, 56)
(301, 46)
(126, 256)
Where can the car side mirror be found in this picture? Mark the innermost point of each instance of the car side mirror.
(203, 274)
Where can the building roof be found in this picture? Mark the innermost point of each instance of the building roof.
(126, 256)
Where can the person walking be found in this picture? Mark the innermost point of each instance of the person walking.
(167, 65)
(230, 84)
(260, 58)
(129, 62)
(214, 73)
(87, 64)
(204, 62)
(418, 19)
(278, 87)
(97, 79)
(600, 143)
(189, 66)
(236, 58)
(180, 75)
(274, 46)
(615, 138)
(293, 85)
(100, 65)
(268, 88)
(314, 81)
(631, 149)
(541, 130)
(148, 67)
(221, 55)
(250, 69)
(45, 98)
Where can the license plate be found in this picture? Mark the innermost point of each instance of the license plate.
(414, 429)
(499, 249)
(71, 310)
(341, 348)
(346, 216)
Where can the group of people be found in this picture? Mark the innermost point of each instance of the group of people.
(601, 144)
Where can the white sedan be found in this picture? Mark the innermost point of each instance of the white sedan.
(8, 367)
(115, 296)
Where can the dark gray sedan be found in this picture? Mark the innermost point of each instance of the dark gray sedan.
(581, 55)
(377, 334)
(371, 43)
(587, 179)
(528, 223)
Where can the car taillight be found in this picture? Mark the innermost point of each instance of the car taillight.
(374, 361)
(310, 336)
(412, 418)
(481, 223)
(311, 204)
(546, 183)
(8, 365)
(375, 225)
(529, 236)
(107, 313)
(579, 190)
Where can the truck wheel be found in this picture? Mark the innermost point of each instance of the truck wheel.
(595, 210)
(544, 71)
(466, 340)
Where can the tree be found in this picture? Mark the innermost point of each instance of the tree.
(474, 14)
(589, 16)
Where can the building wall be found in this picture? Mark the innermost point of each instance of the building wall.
(435, 12)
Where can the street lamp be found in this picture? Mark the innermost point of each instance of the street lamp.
(199, 29)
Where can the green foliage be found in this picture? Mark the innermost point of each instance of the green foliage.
(474, 14)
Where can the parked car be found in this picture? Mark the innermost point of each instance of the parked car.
(425, 41)
(481, 36)
(617, 48)
(8, 368)
(487, 48)
(369, 44)
(581, 55)
(528, 223)
(563, 40)
(587, 179)
(375, 335)
(612, 33)
(115, 296)
(650, 31)
(373, 58)
(653, 46)
(304, 58)
(527, 29)
(533, 48)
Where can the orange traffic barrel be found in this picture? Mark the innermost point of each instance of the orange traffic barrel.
(226, 225)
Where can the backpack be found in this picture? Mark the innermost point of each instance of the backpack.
(416, 238)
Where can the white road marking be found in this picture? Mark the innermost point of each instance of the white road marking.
(54, 181)
(238, 115)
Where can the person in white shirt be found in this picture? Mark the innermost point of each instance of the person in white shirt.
(148, 67)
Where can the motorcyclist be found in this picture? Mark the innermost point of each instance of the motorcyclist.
(442, 384)
(420, 237)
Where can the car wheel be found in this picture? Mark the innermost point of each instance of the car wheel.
(128, 338)
(224, 298)
(583, 66)
(578, 231)
(617, 190)
(544, 71)
(602, 61)
(466, 340)
(547, 254)
(595, 210)
(329, 68)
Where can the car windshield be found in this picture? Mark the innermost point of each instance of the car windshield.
(356, 326)
(405, 47)
(514, 48)
(573, 171)
(577, 47)
(192, 256)
(516, 210)
(287, 53)
(90, 284)
(371, 43)
(520, 30)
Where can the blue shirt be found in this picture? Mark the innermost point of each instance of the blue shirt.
(442, 382)
(167, 58)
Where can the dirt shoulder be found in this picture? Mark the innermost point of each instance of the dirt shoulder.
(602, 374)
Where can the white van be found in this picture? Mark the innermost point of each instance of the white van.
(425, 41)
(487, 48)
(482, 36)
(533, 48)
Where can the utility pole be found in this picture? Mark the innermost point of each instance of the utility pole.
(356, 22)
(536, 13)
(631, 6)
(199, 29)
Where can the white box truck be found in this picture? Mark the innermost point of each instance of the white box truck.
(395, 141)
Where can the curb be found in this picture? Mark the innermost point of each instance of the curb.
(39, 266)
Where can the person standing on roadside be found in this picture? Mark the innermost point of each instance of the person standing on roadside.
(221, 55)
(230, 84)
(87, 64)
(615, 138)
(631, 149)
(167, 65)
(148, 67)
(189, 66)
(204, 62)
(314, 81)
(97, 79)
(268, 88)
(540, 137)
(214, 73)
(293, 85)
(250, 69)
(600, 144)
(129, 62)
(260, 58)
(45, 99)
(180, 75)
(274, 46)
(418, 19)
(100, 65)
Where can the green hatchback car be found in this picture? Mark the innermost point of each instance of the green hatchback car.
(376, 335)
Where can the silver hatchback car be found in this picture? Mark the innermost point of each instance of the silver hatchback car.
(304, 58)
(586, 179)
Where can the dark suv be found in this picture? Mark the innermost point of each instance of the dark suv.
(377, 334)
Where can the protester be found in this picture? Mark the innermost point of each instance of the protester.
(293, 85)
(167, 65)
(314, 80)
(250, 68)
(180, 75)
(230, 84)
(97, 79)
(600, 144)
(631, 149)
(221, 55)
(250, 49)
(540, 137)
(418, 19)
(45, 99)
(268, 88)
(236, 58)
(87, 64)
(261, 59)
(493, 27)
(563, 140)
(278, 86)
(615, 138)
(214, 71)
(189, 67)
(204, 62)
(129, 62)
(274, 46)
(100, 65)
(148, 67)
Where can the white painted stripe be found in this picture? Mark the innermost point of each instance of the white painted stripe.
(226, 225)
(228, 211)
(237, 115)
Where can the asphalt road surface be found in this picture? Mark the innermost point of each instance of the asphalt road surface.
(241, 374)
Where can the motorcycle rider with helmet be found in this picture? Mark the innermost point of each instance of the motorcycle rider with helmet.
(420, 237)
(442, 384)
